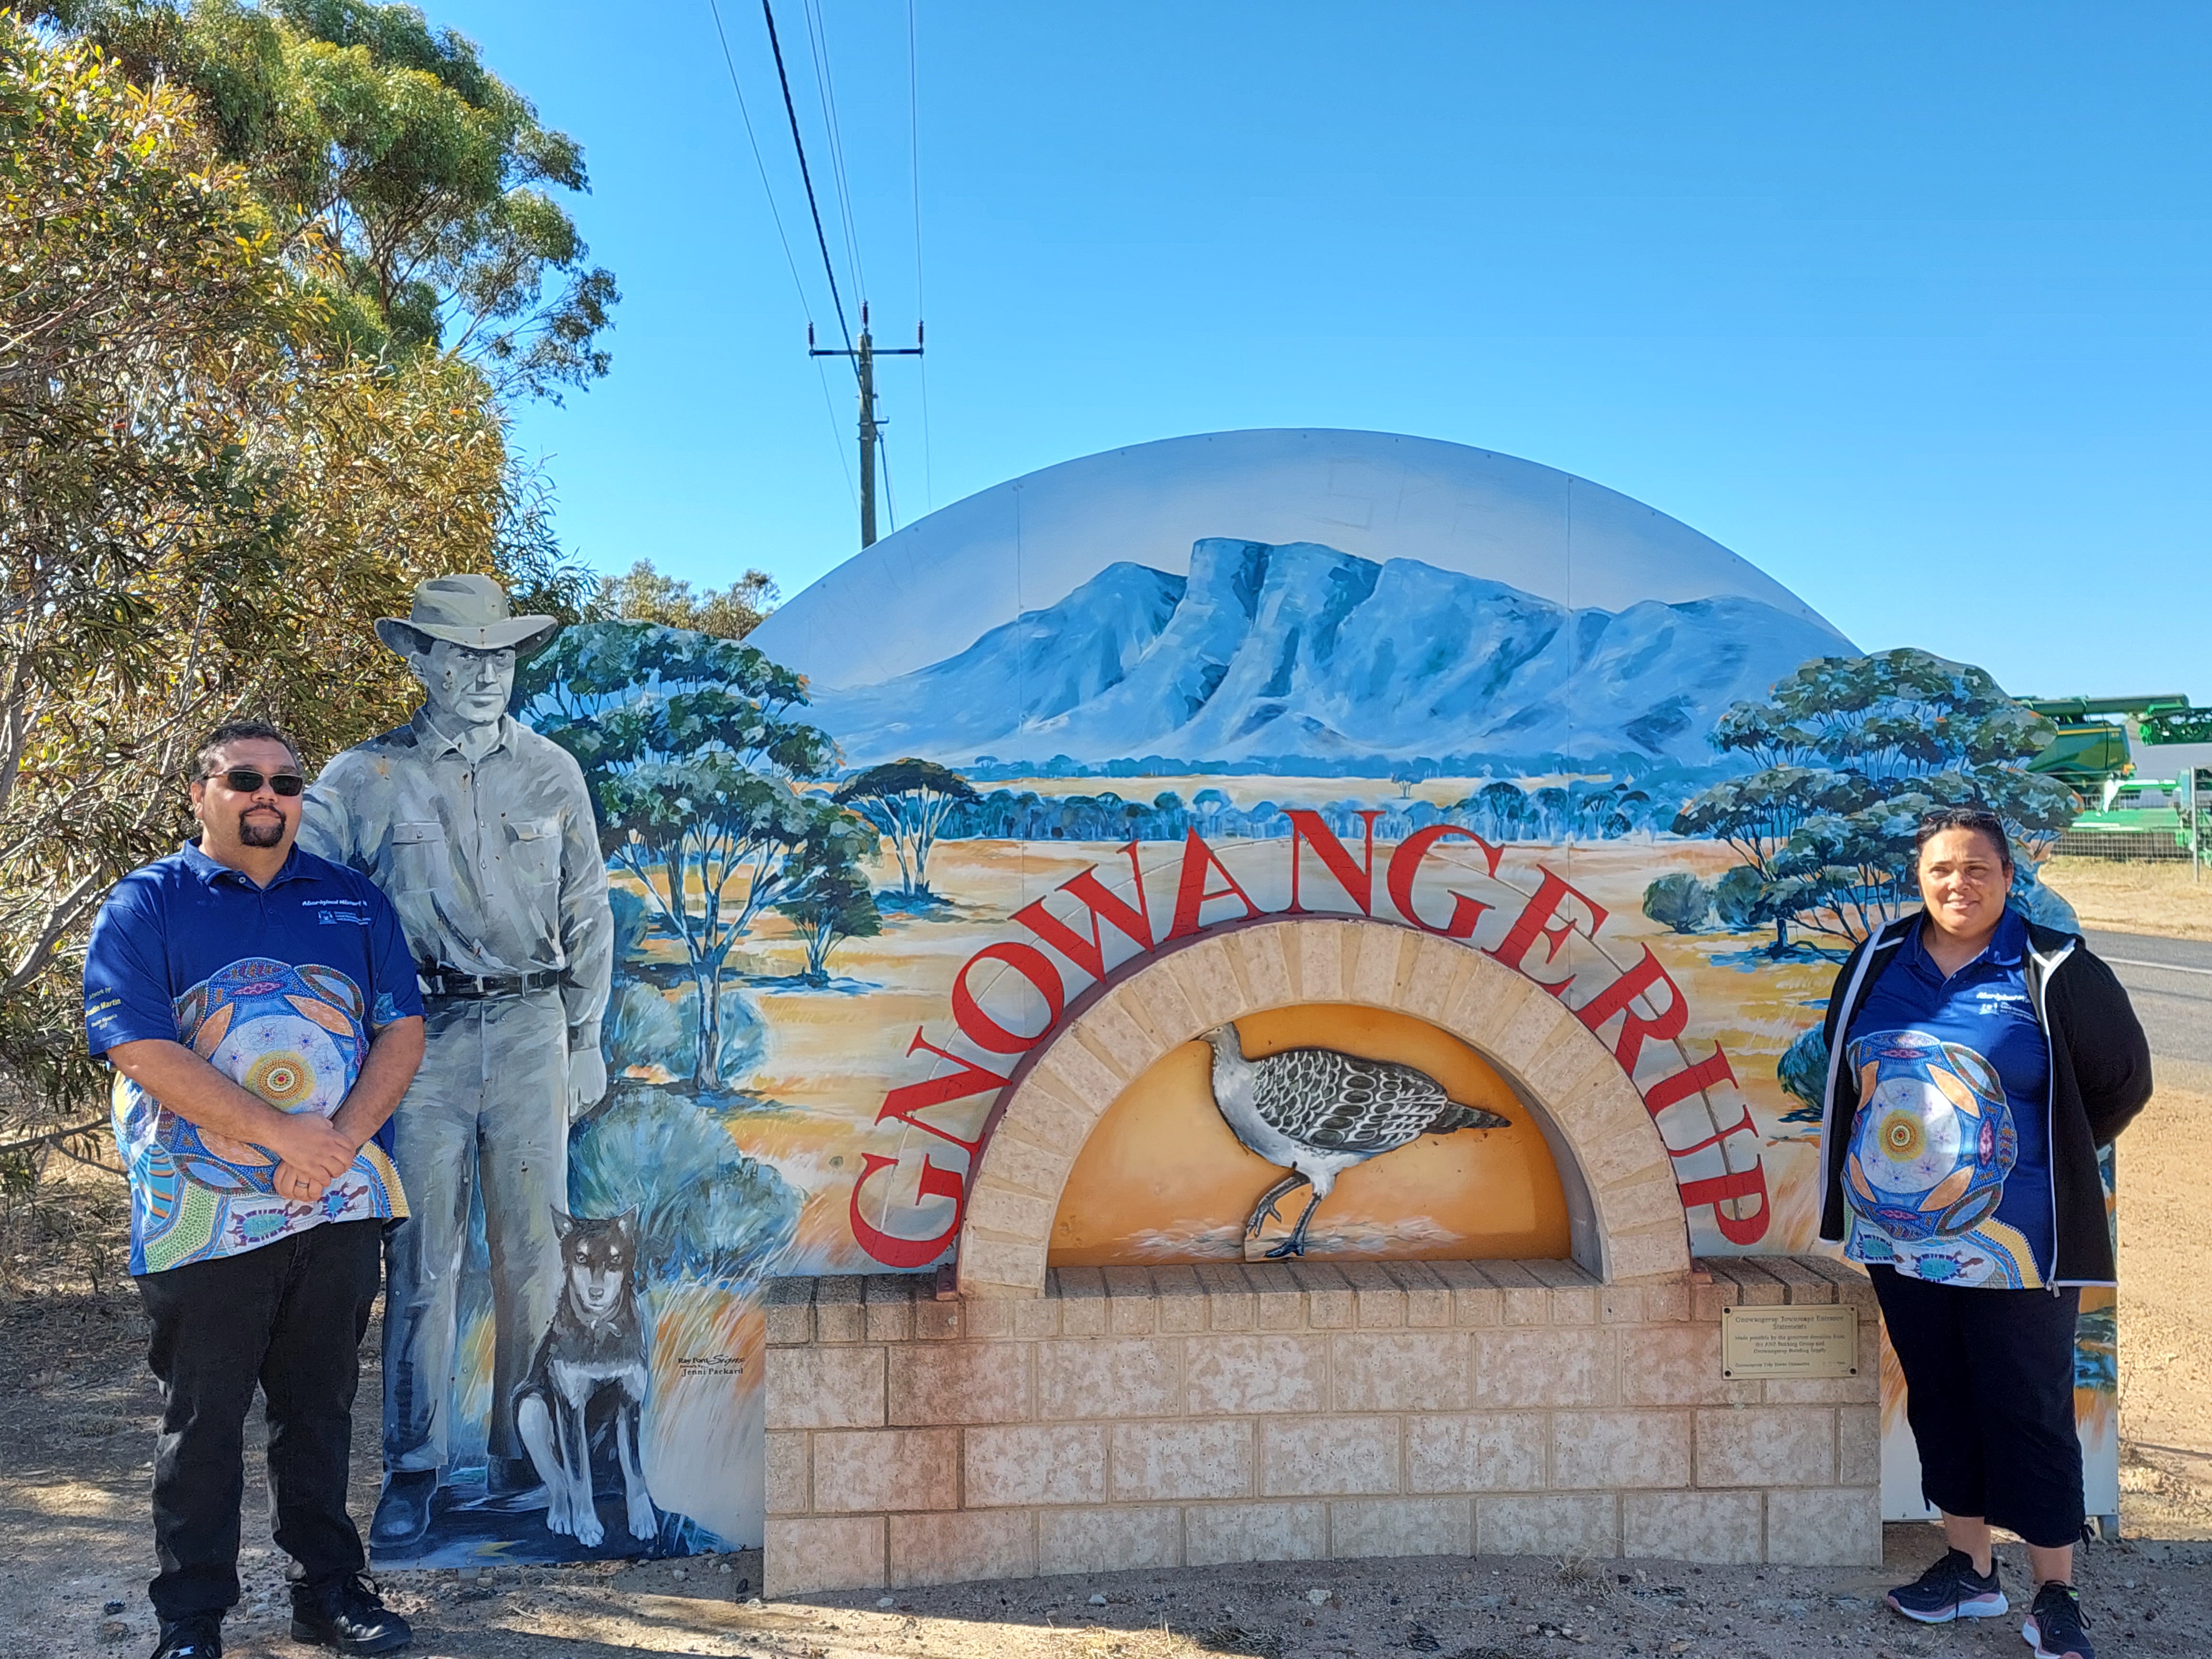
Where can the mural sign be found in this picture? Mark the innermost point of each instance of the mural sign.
(856, 872)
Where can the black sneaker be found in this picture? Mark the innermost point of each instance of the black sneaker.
(1951, 1589)
(198, 1636)
(2055, 1626)
(346, 1613)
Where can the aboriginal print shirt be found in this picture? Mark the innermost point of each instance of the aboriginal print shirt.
(1948, 1176)
(279, 988)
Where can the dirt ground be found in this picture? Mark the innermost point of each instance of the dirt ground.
(2134, 898)
(75, 1550)
(76, 1443)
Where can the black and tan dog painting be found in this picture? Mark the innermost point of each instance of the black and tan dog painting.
(589, 1378)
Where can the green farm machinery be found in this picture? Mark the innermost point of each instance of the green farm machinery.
(2126, 817)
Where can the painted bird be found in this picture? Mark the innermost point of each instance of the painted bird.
(1317, 1112)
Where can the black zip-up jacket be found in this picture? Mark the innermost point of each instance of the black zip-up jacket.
(2100, 1079)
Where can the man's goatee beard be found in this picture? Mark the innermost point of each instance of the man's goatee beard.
(252, 833)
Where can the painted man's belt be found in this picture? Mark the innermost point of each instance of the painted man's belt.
(451, 983)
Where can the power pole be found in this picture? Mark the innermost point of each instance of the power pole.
(863, 357)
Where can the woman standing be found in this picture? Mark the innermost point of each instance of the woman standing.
(1976, 1064)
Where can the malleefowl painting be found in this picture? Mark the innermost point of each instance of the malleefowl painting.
(1317, 1112)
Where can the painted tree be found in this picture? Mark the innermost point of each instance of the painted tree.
(1679, 901)
(1504, 810)
(832, 900)
(692, 754)
(1853, 751)
(907, 800)
(1756, 816)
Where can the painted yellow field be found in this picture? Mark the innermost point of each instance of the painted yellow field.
(830, 1056)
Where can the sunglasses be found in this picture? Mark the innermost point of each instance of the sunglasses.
(245, 781)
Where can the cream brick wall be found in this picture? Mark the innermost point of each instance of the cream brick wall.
(1187, 1416)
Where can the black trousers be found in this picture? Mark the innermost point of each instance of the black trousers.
(1989, 1381)
(290, 1317)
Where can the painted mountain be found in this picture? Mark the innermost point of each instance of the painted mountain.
(1298, 652)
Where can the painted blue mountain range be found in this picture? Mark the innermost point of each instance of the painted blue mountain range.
(1297, 652)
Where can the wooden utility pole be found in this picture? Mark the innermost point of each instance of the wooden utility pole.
(863, 357)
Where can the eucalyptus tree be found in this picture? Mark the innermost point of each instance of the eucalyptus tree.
(412, 188)
(199, 506)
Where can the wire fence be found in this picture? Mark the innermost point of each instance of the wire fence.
(2146, 821)
(2122, 847)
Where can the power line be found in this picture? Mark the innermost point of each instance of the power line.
(914, 154)
(744, 114)
(890, 501)
(791, 110)
(863, 357)
(825, 85)
(837, 437)
(863, 352)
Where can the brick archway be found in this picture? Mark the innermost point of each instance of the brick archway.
(1626, 1211)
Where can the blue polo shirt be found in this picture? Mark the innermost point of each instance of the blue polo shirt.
(279, 988)
(1948, 1176)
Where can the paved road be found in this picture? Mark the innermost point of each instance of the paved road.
(2170, 982)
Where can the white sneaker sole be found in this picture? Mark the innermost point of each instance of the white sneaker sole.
(1982, 1606)
(2033, 1638)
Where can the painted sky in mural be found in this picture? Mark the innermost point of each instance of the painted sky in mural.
(1027, 544)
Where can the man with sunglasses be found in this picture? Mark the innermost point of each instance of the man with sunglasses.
(260, 1011)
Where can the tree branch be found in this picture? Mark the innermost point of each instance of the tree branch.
(54, 1137)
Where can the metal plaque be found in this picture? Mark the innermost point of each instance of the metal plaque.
(1794, 1341)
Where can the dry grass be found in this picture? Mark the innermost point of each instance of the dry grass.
(63, 1225)
(2134, 898)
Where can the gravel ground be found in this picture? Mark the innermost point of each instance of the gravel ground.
(2147, 1598)
(75, 1553)
(75, 1549)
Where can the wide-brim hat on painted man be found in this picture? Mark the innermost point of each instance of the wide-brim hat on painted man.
(470, 611)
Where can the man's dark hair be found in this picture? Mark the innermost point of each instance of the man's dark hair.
(1979, 820)
(238, 731)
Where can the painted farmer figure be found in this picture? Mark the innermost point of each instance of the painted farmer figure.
(482, 834)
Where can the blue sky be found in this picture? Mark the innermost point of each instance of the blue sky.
(1905, 304)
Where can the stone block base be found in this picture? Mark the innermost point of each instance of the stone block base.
(1188, 1416)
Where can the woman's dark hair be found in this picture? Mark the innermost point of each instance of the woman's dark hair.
(1979, 820)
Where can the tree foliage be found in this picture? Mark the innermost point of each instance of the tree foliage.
(1853, 752)
(1678, 901)
(401, 179)
(204, 501)
(692, 750)
(642, 594)
(704, 1209)
(1584, 810)
(832, 901)
(909, 801)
